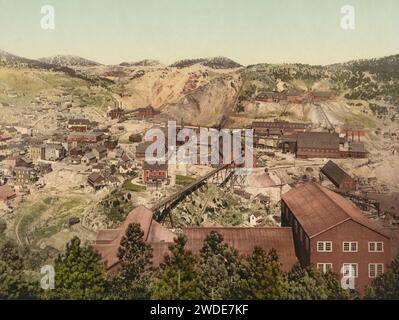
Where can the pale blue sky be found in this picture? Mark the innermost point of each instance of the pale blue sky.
(248, 31)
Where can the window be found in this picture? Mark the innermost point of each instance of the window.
(376, 247)
(350, 270)
(348, 246)
(375, 269)
(324, 267)
(324, 246)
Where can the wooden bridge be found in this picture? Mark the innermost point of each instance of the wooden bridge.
(220, 175)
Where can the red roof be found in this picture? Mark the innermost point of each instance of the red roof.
(244, 240)
(319, 209)
(6, 193)
(108, 241)
(160, 238)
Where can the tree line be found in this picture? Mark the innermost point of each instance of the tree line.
(216, 272)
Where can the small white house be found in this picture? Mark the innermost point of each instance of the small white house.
(255, 218)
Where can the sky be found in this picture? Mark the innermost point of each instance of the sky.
(247, 31)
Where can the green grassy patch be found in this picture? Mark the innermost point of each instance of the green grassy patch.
(55, 210)
(129, 186)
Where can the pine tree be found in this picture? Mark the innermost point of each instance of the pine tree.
(10, 254)
(177, 278)
(306, 284)
(386, 286)
(15, 282)
(79, 274)
(135, 256)
(218, 268)
(263, 279)
(334, 289)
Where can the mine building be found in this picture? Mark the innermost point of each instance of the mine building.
(338, 176)
(332, 234)
(116, 113)
(318, 145)
(288, 143)
(295, 97)
(145, 113)
(357, 150)
(278, 127)
(353, 134)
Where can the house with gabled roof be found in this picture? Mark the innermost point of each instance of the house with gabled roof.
(332, 234)
(338, 176)
(159, 237)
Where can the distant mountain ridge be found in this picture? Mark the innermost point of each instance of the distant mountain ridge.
(9, 59)
(214, 63)
(69, 61)
(141, 63)
(208, 95)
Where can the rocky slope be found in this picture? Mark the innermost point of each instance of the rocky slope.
(206, 91)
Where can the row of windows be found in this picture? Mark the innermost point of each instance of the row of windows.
(320, 150)
(349, 246)
(352, 269)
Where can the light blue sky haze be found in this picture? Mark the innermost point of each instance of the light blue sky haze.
(248, 31)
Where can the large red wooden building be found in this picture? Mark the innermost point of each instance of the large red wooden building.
(331, 234)
(278, 127)
(160, 238)
(317, 145)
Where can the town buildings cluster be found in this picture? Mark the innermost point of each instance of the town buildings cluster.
(298, 138)
(317, 225)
